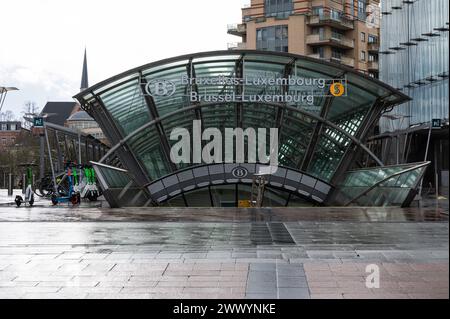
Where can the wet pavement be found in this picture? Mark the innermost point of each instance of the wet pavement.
(94, 252)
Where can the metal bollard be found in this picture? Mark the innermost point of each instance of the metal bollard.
(10, 185)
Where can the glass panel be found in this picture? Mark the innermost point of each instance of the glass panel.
(183, 119)
(392, 192)
(170, 103)
(295, 134)
(127, 106)
(147, 147)
(115, 178)
(328, 153)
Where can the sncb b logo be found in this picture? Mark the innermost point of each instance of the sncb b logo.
(239, 172)
(160, 88)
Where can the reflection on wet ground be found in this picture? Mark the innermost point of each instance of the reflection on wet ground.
(162, 214)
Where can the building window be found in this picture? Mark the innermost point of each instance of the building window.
(336, 34)
(362, 56)
(373, 58)
(320, 51)
(336, 54)
(272, 38)
(317, 11)
(13, 127)
(278, 8)
(3, 141)
(4, 127)
(372, 39)
(363, 37)
(362, 10)
(335, 15)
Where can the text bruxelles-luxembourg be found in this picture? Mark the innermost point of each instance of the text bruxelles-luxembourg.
(258, 81)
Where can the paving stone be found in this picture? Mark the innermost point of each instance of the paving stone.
(292, 282)
(293, 293)
(261, 296)
(262, 267)
(262, 276)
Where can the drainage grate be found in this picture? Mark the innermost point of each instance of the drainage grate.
(280, 234)
(270, 233)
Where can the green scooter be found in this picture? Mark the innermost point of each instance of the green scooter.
(29, 192)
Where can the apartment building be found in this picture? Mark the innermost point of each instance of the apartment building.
(10, 131)
(340, 31)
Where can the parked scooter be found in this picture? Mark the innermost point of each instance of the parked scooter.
(72, 195)
(89, 190)
(29, 192)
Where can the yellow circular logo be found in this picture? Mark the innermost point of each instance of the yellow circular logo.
(337, 89)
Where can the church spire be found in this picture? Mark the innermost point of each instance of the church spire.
(84, 76)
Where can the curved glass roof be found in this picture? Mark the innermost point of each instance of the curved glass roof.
(314, 136)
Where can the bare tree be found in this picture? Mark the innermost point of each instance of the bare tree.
(7, 116)
(29, 110)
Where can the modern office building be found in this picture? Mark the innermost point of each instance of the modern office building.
(415, 59)
(320, 133)
(343, 31)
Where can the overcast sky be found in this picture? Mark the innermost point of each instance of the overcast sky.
(42, 41)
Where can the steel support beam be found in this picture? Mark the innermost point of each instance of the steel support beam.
(315, 135)
(239, 89)
(285, 89)
(159, 127)
(86, 150)
(190, 69)
(41, 156)
(352, 151)
(128, 159)
(59, 154)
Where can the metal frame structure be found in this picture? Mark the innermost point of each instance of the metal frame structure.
(137, 126)
(76, 146)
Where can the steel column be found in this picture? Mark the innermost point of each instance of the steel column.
(239, 90)
(59, 154)
(316, 134)
(128, 159)
(190, 69)
(159, 127)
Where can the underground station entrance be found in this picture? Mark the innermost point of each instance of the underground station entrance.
(320, 113)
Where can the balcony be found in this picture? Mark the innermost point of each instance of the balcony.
(333, 40)
(315, 56)
(237, 46)
(372, 66)
(237, 29)
(345, 60)
(373, 47)
(348, 61)
(332, 21)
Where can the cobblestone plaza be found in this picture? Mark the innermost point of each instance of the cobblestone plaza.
(48, 252)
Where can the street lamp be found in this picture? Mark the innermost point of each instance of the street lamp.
(3, 91)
